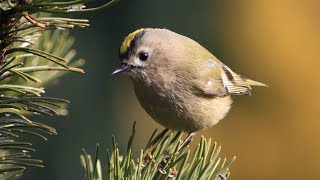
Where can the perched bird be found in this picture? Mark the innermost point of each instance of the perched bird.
(179, 83)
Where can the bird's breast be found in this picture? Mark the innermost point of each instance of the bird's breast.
(180, 109)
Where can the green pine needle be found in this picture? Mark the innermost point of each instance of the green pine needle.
(35, 50)
(159, 161)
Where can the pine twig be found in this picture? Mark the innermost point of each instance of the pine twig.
(202, 164)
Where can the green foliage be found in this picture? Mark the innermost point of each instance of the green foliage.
(35, 49)
(22, 77)
(159, 160)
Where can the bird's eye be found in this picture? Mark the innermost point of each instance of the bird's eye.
(143, 56)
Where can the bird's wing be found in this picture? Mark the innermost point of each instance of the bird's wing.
(208, 80)
(222, 81)
(233, 82)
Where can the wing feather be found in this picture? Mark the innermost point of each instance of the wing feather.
(222, 81)
(234, 84)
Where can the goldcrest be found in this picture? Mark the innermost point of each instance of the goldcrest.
(179, 83)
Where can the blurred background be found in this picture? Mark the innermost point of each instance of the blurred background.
(274, 133)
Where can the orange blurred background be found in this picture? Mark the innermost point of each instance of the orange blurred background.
(275, 132)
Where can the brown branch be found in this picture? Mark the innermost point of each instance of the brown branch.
(35, 21)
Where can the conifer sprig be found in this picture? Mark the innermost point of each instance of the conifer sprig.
(35, 49)
(159, 161)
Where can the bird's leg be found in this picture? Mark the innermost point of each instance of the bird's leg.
(186, 141)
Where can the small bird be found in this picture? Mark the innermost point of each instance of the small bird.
(179, 83)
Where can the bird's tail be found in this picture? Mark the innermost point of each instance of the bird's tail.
(252, 82)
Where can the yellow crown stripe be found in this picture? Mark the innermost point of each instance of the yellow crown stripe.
(126, 43)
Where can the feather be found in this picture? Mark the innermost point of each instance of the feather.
(234, 84)
(252, 82)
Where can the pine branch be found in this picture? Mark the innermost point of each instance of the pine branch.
(159, 161)
(35, 49)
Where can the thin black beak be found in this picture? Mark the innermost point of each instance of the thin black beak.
(120, 69)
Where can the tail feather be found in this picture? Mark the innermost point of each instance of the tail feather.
(252, 82)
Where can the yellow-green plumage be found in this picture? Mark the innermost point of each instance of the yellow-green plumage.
(181, 85)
